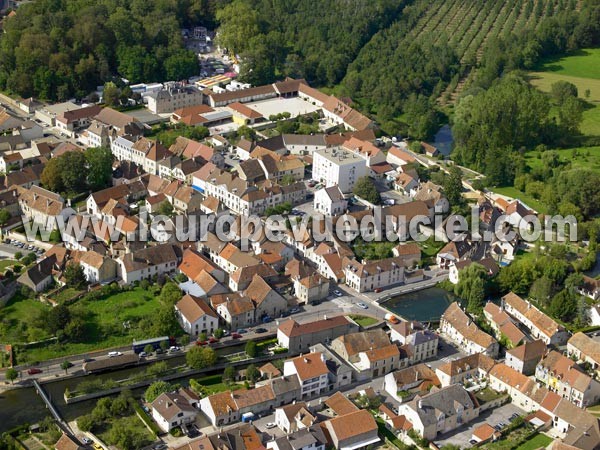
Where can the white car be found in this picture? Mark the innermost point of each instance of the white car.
(338, 293)
(270, 425)
(113, 354)
(362, 305)
(174, 349)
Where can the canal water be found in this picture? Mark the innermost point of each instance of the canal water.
(426, 305)
(20, 406)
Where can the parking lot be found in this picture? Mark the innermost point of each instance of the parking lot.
(11, 247)
(462, 436)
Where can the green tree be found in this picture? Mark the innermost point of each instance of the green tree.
(365, 189)
(181, 65)
(200, 357)
(11, 374)
(251, 349)
(4, 216)
(472, 286)
(157, 388)
(65, 366)
(542, 290)
(111, 94)
(219, 333)
(170, 294)
(73, 171)
(562, 90)
(229, 374)
(563, 306)
(85, 422)
(252, 373)
(453, 186)
(288, 179)
(149, 349)
(56, 319)
(99, 161)
(75, 276)
(51, 177)
(239, 24)
(166, 208)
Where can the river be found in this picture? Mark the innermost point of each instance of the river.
(23, 405)
(426, 305)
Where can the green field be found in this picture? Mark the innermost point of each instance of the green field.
(513, 192)
(584, 63)
(579, 158)
(104, 323)
(6, 263)
(16, 318)
(583, 70)
(538, 441)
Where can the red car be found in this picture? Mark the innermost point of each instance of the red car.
(34, 371)
(201, 343)
(236, 335)
(213, 340)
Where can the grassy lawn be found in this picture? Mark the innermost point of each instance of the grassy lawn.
(6, 263)
(581, 157)
(65, 294)
(595, 410)
(128, 422)
(510, 441)
(582, 68)
(364, 321)
(487, 395)
(538, 441)
(513, 192)
(16, 320)
(104, 321)
(584, 63)
(430, 247)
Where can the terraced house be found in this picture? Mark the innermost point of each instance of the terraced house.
(539, 324)
(461, 329)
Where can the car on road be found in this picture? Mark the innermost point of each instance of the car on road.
(174, 349)
(261, 330)
(213, 340)
(267, 319)
(362, 305)
(160, 447)
(270, 425)
(143, 355)
(236, 335)
(242, 331)
(113, 354)
(86, 440)
(338, 293)
(34, 371)
(294, 310)
(98, 446)
(378, 290)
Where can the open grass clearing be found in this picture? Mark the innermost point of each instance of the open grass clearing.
(364, 321)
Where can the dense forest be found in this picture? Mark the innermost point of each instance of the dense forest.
(312, 39)
(56, 49)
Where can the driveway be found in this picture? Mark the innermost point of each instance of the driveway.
(462, 436)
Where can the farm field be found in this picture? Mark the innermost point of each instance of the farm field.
(583, 70)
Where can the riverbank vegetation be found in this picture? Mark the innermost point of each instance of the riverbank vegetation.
(116, 423)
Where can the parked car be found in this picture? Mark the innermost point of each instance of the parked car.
(267, 319)
(270, 425)
(34, 371)
(242, 331)
(143, 355)
(86, 440)
(174, 349)
(261, 330)
(362, 305)
(338, 293)
(201, 342)
(213, 340)
(378, 290)
(472, 442)
(294, 310)
(97, 446)
(113, 354)
(236, 335)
